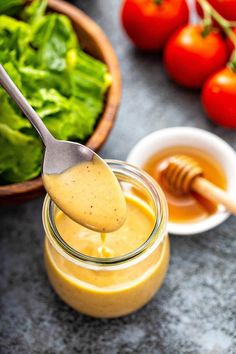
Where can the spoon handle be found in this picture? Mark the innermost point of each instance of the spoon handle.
(25, 107)
(214, 193)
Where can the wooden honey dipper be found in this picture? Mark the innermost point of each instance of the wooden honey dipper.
(183, 175)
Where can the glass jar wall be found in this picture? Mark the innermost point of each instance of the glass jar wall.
(116, 285)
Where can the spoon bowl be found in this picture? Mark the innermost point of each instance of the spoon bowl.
(61, 155)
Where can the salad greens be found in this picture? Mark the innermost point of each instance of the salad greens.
(65, 85)
(10, 7)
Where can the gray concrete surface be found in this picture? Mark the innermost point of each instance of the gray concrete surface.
(195, 310)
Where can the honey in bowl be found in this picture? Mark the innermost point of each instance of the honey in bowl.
(190, 207)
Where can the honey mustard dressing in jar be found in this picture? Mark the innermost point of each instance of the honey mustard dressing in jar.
(111, 274)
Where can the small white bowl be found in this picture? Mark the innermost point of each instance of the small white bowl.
(197, 138)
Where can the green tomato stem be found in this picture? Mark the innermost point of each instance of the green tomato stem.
(232, 62)
(224, 24)
(207, 20)
(158, 2)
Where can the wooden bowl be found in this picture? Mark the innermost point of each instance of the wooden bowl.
(94, 41)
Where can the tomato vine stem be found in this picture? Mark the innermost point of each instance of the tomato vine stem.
(207, 21)
(226, 25)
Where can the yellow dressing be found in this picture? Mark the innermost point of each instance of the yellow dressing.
(115, 292)
(131, 235)
(103, 250)
(90, 194)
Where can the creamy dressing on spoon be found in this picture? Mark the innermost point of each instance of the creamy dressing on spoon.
(90, 194)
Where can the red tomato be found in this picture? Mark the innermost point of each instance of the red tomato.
(149, 23)
(190, 58)
(230, 44)
(219, 97)
(227, 8)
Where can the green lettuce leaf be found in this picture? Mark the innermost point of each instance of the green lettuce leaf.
(9, 116)
(48, 102)
(20, 156)
(14, 36)
(10, 7)
(53, 37)
(76, 123)
(63, 84)
(36, 79)
(34, 11)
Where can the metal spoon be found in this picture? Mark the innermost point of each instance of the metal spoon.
(60, 156)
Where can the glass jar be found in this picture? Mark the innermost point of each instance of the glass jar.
(111, 287)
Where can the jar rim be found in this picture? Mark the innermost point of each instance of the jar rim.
(159, 228)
